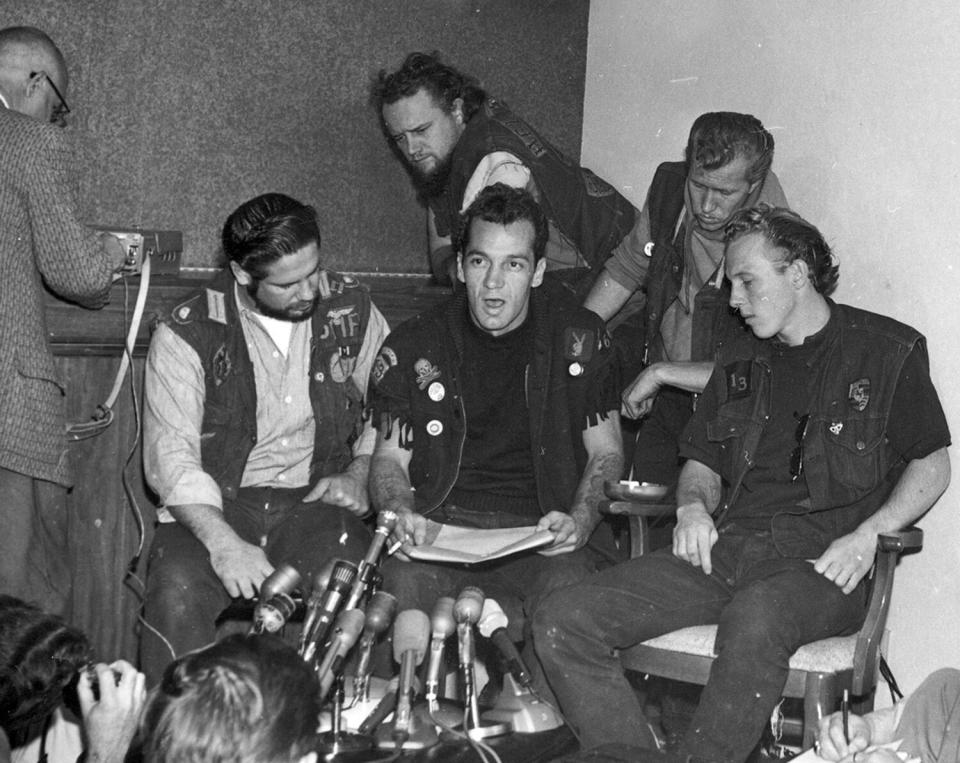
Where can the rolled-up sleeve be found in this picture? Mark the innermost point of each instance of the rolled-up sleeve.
(174, 396)
(377, 331)
(629, 262)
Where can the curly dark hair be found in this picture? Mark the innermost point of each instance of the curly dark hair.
(425, 71)
(798, 239)
(39, 656)
(719, 137)
(501, 204)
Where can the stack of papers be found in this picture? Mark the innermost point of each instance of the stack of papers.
(468, 545)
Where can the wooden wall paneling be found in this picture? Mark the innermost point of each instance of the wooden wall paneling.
(102, 524)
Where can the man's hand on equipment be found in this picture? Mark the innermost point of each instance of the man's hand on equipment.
(241, 566)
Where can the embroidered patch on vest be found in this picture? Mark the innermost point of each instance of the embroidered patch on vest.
(386, 359)
(222, 365)
(216, 307)
(578, 344)
(738, 379)
(341, 367)
(859, 394)
(345, 322)
(426, 372)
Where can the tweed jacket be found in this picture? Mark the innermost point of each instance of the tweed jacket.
(43, 245)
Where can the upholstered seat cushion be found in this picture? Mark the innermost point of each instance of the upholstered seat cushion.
(825, 656)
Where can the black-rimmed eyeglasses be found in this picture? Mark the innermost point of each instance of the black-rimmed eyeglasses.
(59, 115)
(796, 457)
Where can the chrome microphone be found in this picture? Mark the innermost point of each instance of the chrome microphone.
(323, 608)
(493, 625)
(275, 605)
(380, 613)
(386, 521)
(443, 625)
(345, 632)
(311, 606)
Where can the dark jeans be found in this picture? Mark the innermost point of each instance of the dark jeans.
(518, 583)
(184, 594)
(766, 607)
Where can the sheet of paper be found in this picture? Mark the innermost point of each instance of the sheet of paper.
(468, 545)
(811, 756)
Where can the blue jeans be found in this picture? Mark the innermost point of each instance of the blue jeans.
(766, 607)
(184, 594)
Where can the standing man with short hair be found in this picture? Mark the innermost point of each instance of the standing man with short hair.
(43, 243)
(819, 431)
(498, 409)
(253, 432)
(675, 254)
(456, 140)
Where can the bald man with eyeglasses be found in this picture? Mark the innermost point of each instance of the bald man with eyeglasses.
(42, 243)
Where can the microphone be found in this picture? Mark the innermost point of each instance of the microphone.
(311, 606)
(410, 637)
(348, 626)
(466, 612)
(323, 606)
(443, 625)
(493, 625)
(386, 521)
(275, 605)
(380, 612)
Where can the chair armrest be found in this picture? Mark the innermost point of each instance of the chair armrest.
(900, 542)
(637, 509)
(866, 658)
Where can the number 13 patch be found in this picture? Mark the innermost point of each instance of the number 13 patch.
(738, 379)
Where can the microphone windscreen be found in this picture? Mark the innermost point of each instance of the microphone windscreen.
(284, 579)
(469, 605)
(492, 618)
(411, 633)
(441, 621)
(350, 623)
(380, 612)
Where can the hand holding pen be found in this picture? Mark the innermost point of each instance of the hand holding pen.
(843, 735)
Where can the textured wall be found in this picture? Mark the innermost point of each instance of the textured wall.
(186, 109)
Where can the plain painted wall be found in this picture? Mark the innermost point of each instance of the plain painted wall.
(863, 100)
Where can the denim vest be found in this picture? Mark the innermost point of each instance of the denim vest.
(210, 323)
(589, 211)
(849, 466)
(712, 318)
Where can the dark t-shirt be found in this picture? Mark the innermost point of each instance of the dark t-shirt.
(916, 427)
(497, 459)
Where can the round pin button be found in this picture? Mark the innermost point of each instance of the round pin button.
(575, 369)
(434, 427)
(436, 392)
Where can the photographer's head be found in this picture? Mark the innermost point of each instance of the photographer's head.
(39, 656)
(243, 698)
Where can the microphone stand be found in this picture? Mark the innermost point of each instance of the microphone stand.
(337, 741)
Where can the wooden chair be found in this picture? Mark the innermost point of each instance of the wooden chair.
(820, 672)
